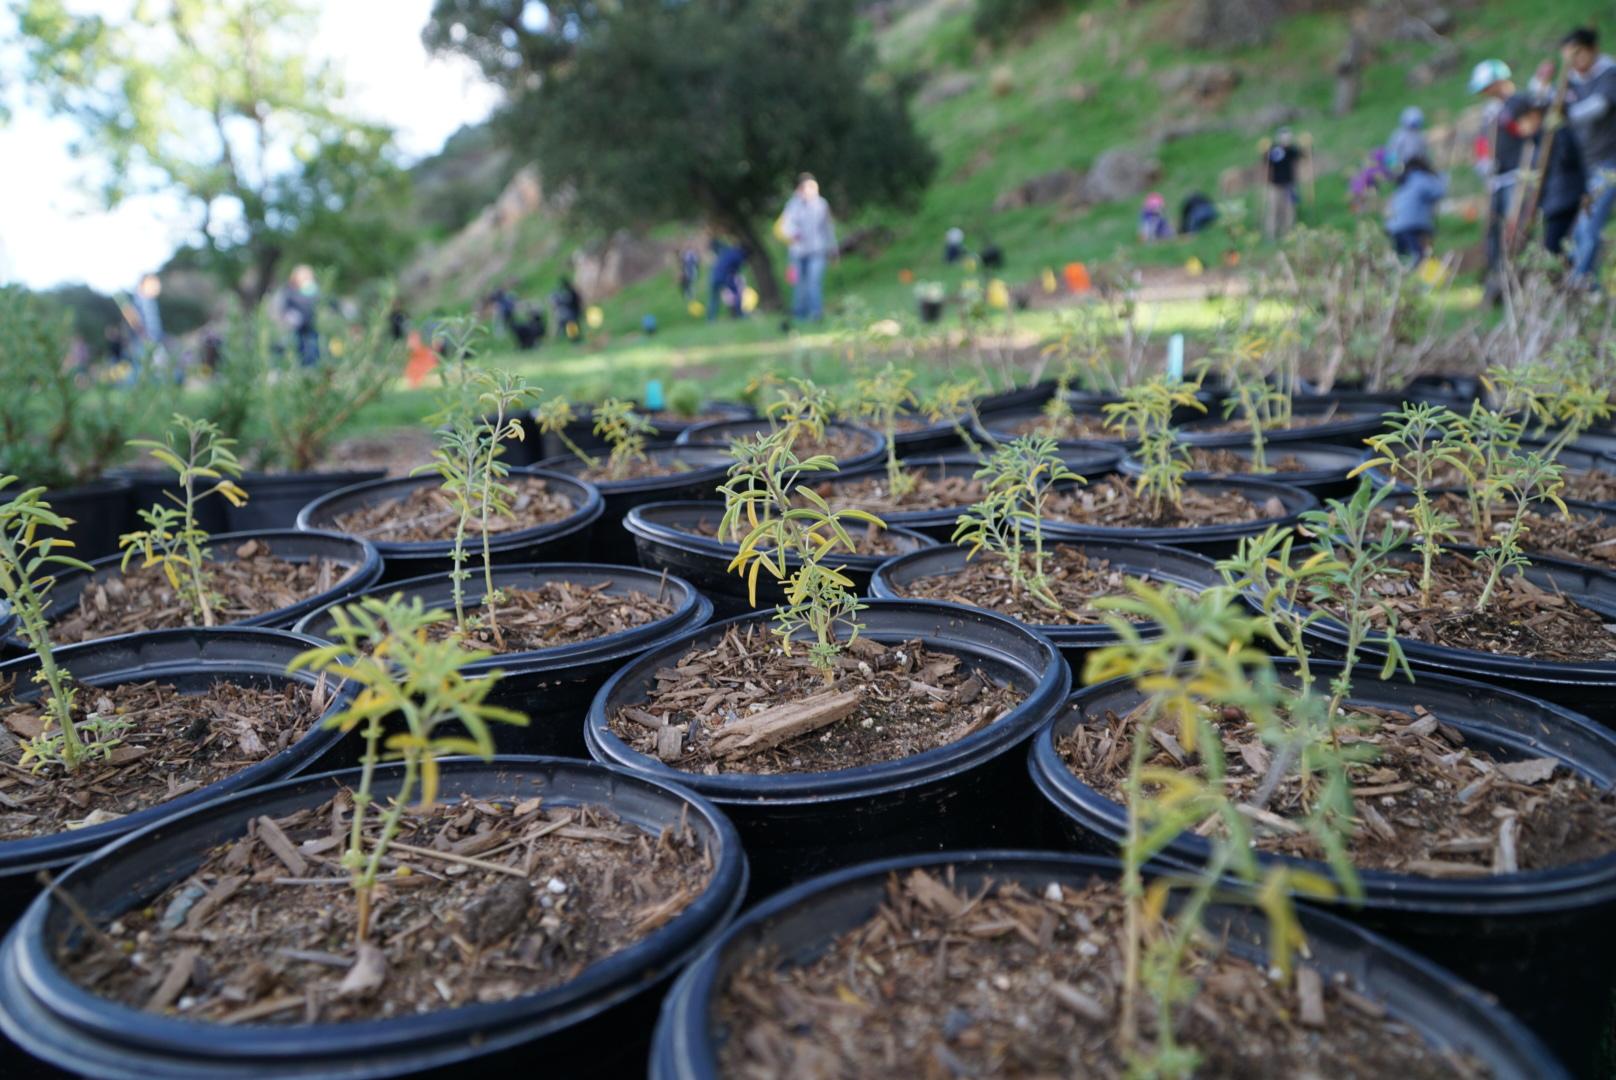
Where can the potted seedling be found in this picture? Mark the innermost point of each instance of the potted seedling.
(415, 521)
(174, 573)
(1001, 562)
(824, 665)
(883, 398)
(506, 858)
(812, 411)
(100, 739)
(1083, 965)
(633, 472)
(929, 299)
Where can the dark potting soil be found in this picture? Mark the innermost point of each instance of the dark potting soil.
(1070, 426)
(1427, 802)
(985, 582)
(1117, 504)
(555, 613)
(426, 513)
(1521, 619)
(1003, 982)
(838, 444)
(1571, 537)
(1297, 422)
(1229, 463)
(633, 469)
(480, 902)
(179, 742)
(1584, 485)
(742, 706)
(254, 583)
(875, 493)
(869, 541)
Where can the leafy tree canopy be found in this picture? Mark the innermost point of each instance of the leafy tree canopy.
(644, 110)
(218, 101)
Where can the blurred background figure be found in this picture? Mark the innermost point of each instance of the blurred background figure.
(299, 311)
(810, 233)
(1153, 223)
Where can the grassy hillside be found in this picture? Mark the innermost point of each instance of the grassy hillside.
(1058, 95)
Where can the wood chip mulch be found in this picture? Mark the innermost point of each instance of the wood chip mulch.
(557, 613)
(866, 541)
(742, 706)
(637, 469)
(179, 742)
(1428, 802)
(1298, 422)
(1114, 503)
(1075, 579)
(1228, 463)
(1075, 426)
(1521, 619)
(253, 583)
(1574, 537)
(1007, 981)
(875, 495)
(480, 902)
(426, 513)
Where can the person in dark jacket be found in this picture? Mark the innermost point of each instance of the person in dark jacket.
(726, 288)
(300, 302)
(1196, 213)
(1565, 180)
(569, 310)
(1591, 108)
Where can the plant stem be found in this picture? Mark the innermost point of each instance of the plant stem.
(390, 823)
(490, 597)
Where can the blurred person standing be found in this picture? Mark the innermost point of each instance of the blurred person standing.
(1282, 157)
(810, 233)
(1510, 128)
(1408, 141)
(1411, 209)
(1591, 109)
(145, 318)
(299, 311)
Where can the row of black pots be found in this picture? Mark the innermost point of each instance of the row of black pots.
(798, 825)
(105, 510)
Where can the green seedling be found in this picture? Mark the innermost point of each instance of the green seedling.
(26, 559)
(685, 399)
(383, 647)
(955, 402)
(1418, 443)
(500, 400)
(1522, 481)
(776, 521)
(1201, 663)
(1018, 478)
(554, 415)
(1147, 409)
(883, 397)
(198, 455)
(1252, 395)
(625, 431)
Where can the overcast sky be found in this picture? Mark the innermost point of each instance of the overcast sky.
(51, 233)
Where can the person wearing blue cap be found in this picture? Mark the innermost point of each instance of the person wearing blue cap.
(1408, 141)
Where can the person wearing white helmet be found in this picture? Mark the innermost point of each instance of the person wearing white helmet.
(1508, 142)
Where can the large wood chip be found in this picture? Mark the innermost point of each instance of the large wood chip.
(776, 725)
(1530, 771)
(934, 895)
(276, 841)
(1310, 997)
(368, 973)
(175, 980)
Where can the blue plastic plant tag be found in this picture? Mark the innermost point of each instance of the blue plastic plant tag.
(1175, 357)
(653, 396)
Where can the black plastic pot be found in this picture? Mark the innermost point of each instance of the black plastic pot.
(273, 499)
(931, 438)
(1356, 417)
(363, 564)
(1151, 562)
(597, 1025)
(723, 432)
(695, 472)
(931, 311)
(1005, 425)
(1587, 687)
(99, 513)
(1543, 941)
(1324, 473)
(582, 429)
(1605, 515)
(795, 825)
(191, 660)
(941, 523)
(556, 685)
(149, 487)
(558, 541)
(664, 534)
(1576, 458)
(1213, 541)
(802, 923)
(1022, 397)
(1454, 389)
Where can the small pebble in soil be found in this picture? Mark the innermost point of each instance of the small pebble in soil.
(556, 886)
